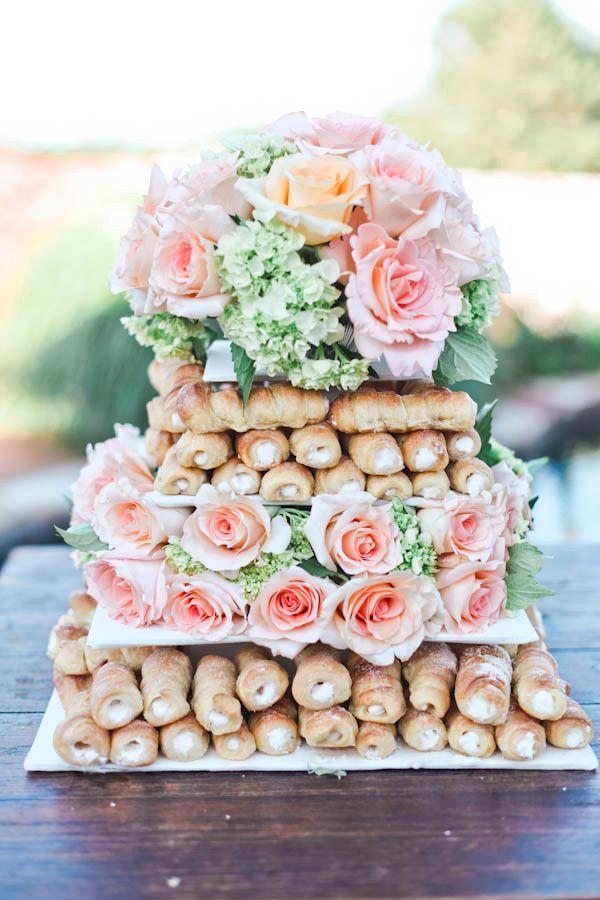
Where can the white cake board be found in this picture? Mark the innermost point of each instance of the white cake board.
(105, 632)
(42, 757)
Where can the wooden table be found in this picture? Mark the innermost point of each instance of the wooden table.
(386, 834)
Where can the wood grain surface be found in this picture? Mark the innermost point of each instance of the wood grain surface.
(382, 834)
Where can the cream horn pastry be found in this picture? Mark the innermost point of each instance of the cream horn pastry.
(236, 745)
(66, 647)
(155, 414)
(134, 745)
(328, 728)
(430, 673)
(81, 607)
(275, 729)
(420, 386)
(422, 731)
(115, 697)
(520, 736)
(166, 681)
(424, 451)
(132, 657)
(377, 694)
(235, 477)
(375, 740)
(166, 374)
(462, 444)
(375, 454)
(203, 451)
(482, 688)
(316, 446)
(372, 410)
(213, 700)
(321, 680)
(468, 737)
(262, 449)
(78, 739)
(573, 730)
(388, 487)
(345, 478)
(184, 740)
(470, 476)
(261, 681)
(537, 687)
(157, 444)
(276, 406)
(290, 482)
(173, 478)
(431, 485)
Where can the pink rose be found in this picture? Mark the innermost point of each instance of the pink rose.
(340, 250)
(473, 594)
(206, 605)
(211, 183)
(470, 527)
(353, 533)
(132, 591)
(401, 301)
(129, 523)
(226, 533)
(516, 493)
(383, 617)
(291, 610)
(337, 132)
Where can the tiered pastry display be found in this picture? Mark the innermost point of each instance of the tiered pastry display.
(330, 539)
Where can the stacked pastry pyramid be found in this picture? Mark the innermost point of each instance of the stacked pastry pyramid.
(318, 555)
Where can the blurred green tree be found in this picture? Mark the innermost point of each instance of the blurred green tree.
(516, 86)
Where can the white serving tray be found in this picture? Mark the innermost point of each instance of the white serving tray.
(42, 757)
(105, 632)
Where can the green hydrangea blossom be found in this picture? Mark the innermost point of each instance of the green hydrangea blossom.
(180, 560)
(258, 152)
(480, 304)
(169, 335)
(418, 556)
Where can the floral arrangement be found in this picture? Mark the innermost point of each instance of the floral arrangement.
(317, 247)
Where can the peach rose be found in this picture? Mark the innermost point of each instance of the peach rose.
(132, 591)
(291, 611)
(401, 301)
(340, 250)
(340, 133)
(206, 605)
(312, 194)
(516, 493)
(353, 533)
(129, 523)
(120, 457)
(211, 183)
(385, 616)
(473, 594)
(470, 527)
(226, 533)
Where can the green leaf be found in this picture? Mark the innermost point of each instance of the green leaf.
(467, 356)
(524, 562)
(484, 429)
(69, 502)
(534, 465)
(81, 537)
(314, 567)
(319, 770)
(525, 558)
(244, 369)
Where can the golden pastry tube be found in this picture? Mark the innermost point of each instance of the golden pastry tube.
(173, 478)
(66, 648)
(470, 476)
(468, 737)
(345, 478)
(166, 680)
(82, 607)
(237, 745)
(235, 477)
(158, 443)
(133, 657)
(573, 731)
(166, 374)
(316, 446)
(321, 680)
(375, 740)
(537, 687)
(213, 700)
(430, 674)
(184, 740)
(328, 728)
(275, 729)
(78, 740)
(422, 731)
(373, 410)
(482, 688)
(134, 745)
(262, 449)
(261, 681)
(424, 451)
(377, 694)
(431, 485)
(462, 444)
(387, 487)
(289, 482)
(203, 451)
(375, 453)
(520, 737)
(115, 696)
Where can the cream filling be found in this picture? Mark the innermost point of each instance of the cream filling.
(470, 743)
(177, 421)
(376, 709)
(287, 491)
(372, 753)
(525, 748)
(183, 743)
(432, 492)
(476, 483)
(266, 453)
(85, 755)
(232, 743)
(425, 459)
(575, 738)
(334, 736)
(350, 487)
(428, 739)
(217, 719)
(318, 456)
(118, 712)
(200, 458)
(543, 703)
(322, 692)
(160, 708)
(242, 483)
(386, 461)
(480, 710)
(465, 445)
(182, 484)
(278, 738)
(391, 492)
(132, 752)
(265, 695)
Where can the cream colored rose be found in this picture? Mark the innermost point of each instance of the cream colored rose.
(313, 194)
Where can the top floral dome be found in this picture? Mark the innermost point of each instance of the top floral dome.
(317, 246)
